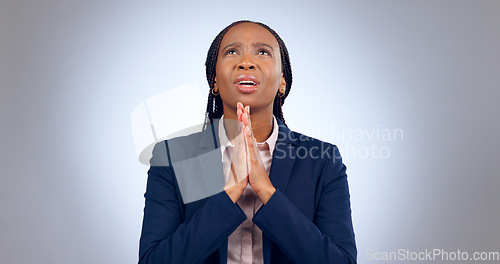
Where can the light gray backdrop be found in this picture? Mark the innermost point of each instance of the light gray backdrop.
(409, 91)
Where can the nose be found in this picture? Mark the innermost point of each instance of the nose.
(246, 64)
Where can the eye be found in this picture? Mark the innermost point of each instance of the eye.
(263, 52)
(231, 52)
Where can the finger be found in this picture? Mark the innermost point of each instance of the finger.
(239, 112)
(249, 122)
(250, 143)
(239, 109)
(233, 173)
(252, 149)
(231, 181)
(247, 114)
(247, 151)
(244, 119)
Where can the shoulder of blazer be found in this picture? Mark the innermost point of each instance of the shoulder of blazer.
(303, 142)
(185, 147)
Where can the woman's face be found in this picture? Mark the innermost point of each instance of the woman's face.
(249, 68)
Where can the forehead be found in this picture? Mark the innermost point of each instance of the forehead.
(249, 33)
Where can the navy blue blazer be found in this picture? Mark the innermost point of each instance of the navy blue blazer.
(307, 220)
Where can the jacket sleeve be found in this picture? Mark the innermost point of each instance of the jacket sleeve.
(166, 237)
(329, 238)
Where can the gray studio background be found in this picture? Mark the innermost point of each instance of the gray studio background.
(71, 73)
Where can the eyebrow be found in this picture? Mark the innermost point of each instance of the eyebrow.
(235, 44)
(257, 44)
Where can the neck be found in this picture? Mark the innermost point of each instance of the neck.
(262, 123)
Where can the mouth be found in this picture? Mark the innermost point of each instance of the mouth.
(246, 83)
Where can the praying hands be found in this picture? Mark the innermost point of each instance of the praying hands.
(246, 164)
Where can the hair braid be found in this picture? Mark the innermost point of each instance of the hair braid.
(214, 105)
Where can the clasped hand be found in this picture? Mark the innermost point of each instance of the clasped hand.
(246, 164)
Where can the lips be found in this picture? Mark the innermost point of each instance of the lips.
(246, 83)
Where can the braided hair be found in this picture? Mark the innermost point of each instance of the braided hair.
(214, 105)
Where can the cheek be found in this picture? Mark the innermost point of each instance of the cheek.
(223, 73)
(274, 77)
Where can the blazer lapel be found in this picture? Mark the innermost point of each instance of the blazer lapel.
(281, 169)
(282, 163)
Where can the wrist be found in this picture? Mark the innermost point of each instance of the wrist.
(266, 194)
(234, 193)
